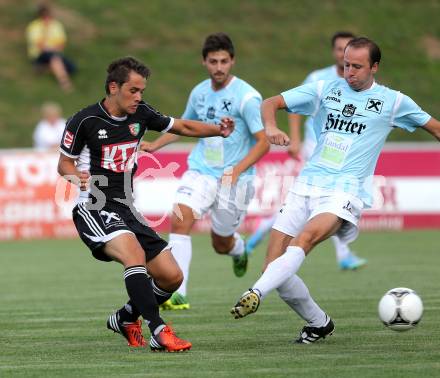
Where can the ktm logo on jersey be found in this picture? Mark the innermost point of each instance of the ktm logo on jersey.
(118, 157)
(68, 139)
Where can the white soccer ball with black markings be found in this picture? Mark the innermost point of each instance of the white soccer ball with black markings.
(400, 309)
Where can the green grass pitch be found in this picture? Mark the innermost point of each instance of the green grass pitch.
(55, 299)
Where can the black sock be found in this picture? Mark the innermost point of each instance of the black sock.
(141, 293)
(160, 294)
(128, 312)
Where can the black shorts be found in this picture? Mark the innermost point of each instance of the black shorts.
(96, 227)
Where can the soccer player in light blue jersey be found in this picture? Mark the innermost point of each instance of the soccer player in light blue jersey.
(221, 172)
(352, 119)
(346, 259)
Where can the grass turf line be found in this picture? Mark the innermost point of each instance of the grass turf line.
(55, 299)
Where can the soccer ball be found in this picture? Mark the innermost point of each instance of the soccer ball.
(400, 309)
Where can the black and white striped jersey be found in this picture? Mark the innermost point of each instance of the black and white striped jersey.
(106, 146)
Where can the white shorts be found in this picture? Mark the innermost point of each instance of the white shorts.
(299, 209)
(227, 205)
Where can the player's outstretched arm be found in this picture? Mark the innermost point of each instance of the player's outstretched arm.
(433, 127)
(269, 108)
(160, 142)
(260, 148)
(188, 128)
(201, 130)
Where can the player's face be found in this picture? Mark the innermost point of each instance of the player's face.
(128, 96)
(357, 71)
(338, 51)
(219, 65)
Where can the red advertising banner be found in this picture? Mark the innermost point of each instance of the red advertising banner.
(28, 209)
(36, 203)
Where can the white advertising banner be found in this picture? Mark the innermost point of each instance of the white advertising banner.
(36, 203)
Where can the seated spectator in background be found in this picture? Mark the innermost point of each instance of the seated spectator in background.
(49, 130)
(46, 40)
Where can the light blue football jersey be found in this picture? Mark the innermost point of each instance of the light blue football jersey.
(237, 100)
(328, 73)
(351, 128)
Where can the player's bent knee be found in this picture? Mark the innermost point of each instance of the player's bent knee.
(169, 277)
(182, 219)
(222, 248)
(180, 226)
(220, 251)
(222, 244)
(173, 280)
(177, 279)
(306, 240)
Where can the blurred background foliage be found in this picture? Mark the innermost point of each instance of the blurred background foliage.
(277, 44)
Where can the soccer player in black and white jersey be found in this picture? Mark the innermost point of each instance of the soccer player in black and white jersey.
(98, 153)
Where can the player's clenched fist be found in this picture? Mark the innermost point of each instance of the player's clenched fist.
(226, 126)
(276, 136)
(84, 177)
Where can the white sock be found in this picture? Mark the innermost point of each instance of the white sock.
(266, 224)
(342, 249)
(279, 270)
(238, 248)
(181, 248)
(295, 293)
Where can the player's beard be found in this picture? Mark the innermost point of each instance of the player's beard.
(220, 78)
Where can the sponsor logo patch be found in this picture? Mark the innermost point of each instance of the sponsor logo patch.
(335, 122)
(134, 128)
(118, 157)
(68, 139)
(111, 219)
(227, 105)
(332, 98)
(102, 134)
(374, 105)
(210, 114)
(348, 110)
(336, 92)
(348, 207)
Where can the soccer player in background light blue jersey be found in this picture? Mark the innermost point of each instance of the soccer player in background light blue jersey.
(352, 119)
(220, 175)
(344, 256)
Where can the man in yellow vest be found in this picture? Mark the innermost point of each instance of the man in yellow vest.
(46, 40)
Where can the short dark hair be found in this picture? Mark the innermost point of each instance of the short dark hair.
(373, 48)
(217, 42)
(341, 34)
(119, 70)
